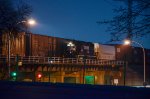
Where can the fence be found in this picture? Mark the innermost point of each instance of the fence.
(60, 60)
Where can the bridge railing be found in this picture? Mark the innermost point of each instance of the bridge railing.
(60, 60)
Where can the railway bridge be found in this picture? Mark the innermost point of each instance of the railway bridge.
(66, 70)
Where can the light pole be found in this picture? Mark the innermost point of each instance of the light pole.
(29, 22)
(127, 42)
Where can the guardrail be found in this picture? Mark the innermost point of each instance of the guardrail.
(60, 60)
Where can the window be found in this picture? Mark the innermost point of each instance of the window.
(118, 50)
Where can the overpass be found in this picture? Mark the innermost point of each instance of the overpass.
(68, 70)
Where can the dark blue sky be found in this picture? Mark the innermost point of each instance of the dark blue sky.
(74, 19)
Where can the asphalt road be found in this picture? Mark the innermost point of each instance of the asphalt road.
(30, 90)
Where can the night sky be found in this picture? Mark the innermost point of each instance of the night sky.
(75, 19)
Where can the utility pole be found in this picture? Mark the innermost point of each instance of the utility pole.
(125, 66)
(84, 63)
(17, 61)
(8, 55)
(129, 19)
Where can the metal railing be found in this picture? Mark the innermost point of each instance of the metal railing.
(60, 60)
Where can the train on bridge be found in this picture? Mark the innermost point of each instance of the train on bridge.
(62, 60)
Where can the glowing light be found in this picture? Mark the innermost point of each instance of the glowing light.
(39, 75)
(127, 42)
(13, 74)
(70, 44)
(31, 22)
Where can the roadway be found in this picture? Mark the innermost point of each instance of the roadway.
(34, 90)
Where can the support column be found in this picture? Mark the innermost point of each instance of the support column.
(100, 77)
(62, 74)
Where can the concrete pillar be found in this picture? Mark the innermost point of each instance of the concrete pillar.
(62, 74)
(100, 77)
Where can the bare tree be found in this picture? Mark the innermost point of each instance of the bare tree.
(12, 16)
(12, 22)
(132, 20)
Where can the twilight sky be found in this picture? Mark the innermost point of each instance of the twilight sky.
(74, 19)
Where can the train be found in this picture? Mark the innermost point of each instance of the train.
(29, 44)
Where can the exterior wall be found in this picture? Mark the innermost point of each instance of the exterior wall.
(124, 52)
(134, 69)
(147, 64)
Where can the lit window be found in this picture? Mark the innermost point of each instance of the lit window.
(118, 49)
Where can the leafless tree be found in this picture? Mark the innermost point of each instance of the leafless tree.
(12, 23)
(12, 16)
(12, 19)
(131, 21)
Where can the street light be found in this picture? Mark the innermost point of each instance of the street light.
(30, 22)
(71, 46)
(128, 42)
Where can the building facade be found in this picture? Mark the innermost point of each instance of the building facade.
(135, 68)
